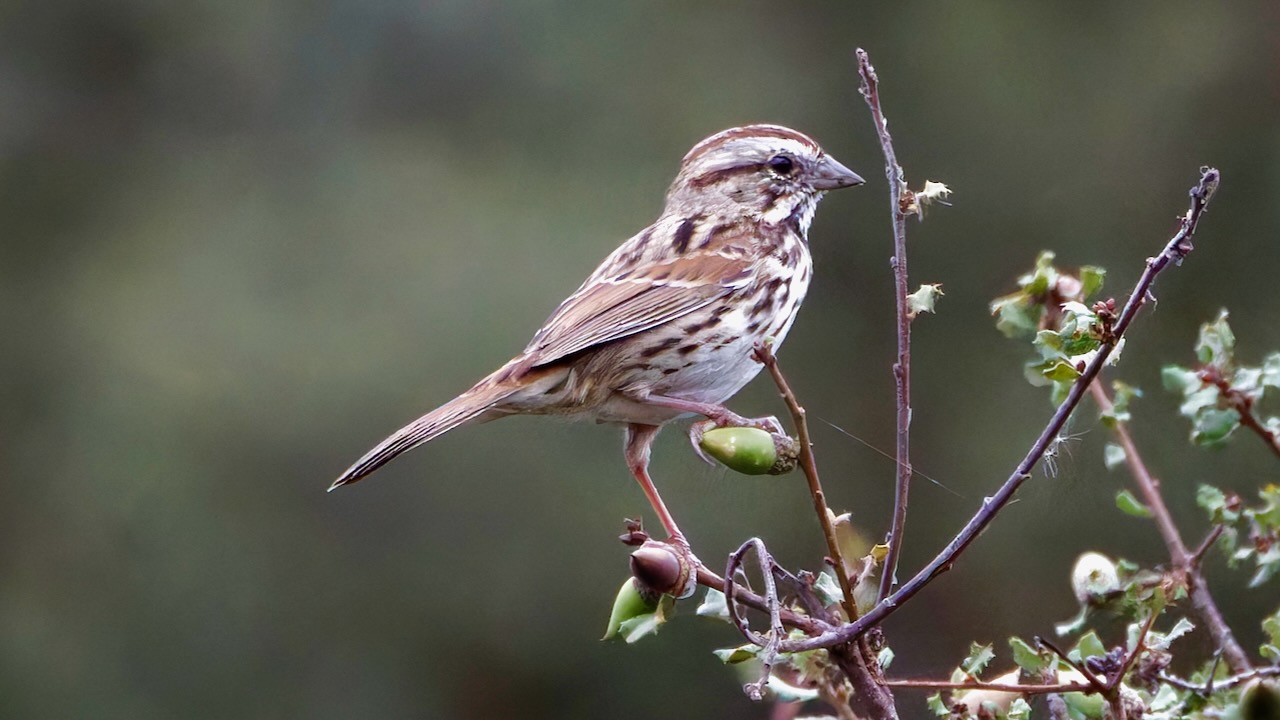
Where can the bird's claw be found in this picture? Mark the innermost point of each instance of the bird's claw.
(696, 431)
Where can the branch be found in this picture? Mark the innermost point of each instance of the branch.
(809, 465)
(1205, 544)
(1184, 560)
(898, 197)
(1243, 405)
(1178, 247)
(1272, 439)
(997, 687)
(1221, 684)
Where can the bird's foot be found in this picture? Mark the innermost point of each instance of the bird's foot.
(698, 429)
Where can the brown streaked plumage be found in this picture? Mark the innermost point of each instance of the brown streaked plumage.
(664, 328)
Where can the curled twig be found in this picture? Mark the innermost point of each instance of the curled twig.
(768, 644)
(744, 596)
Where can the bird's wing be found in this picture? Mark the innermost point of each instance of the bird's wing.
(631, 301)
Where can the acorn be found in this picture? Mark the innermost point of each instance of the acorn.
(1260, 700)
(663, 569)
(751, 451)
(632, 602)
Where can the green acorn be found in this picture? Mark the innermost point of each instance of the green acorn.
(632, 602)
(751, 451)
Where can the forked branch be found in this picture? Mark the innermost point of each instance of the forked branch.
(1184, 560)
(1177, 248)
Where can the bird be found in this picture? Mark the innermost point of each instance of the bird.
(666, 326)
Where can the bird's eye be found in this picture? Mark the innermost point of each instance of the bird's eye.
(782, 165)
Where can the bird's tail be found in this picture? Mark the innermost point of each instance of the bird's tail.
(465, 408)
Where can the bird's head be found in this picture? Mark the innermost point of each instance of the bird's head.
(765, 171)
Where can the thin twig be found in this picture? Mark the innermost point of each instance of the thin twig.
(1222, 684)
(995, 686)
(1243, 405)
(1183, 560)
(902, 368)
(1138, 646)
(1178, 247)
(809, 465)
(1272, 439)
(768, 645)
(1093, 680)
(1198, 554)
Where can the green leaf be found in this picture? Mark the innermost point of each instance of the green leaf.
(1027, 657)
(1044, 277)
(827, 589)
(1160, 641)
(733, 656)
(1267, 515)
(1088, 646)
(1180, 628)
(1061, 371)
(1018, 710)
(1119, 413)
(1049, 345)
(1268, 566)
(1271, 371)
(1179, 379)
(1165, 701)
(1247, 381)
(1213, 500)
(1271, 626)
(1130, 505)
(1198, 400)
(937, 706)
(1088, 707)
(646, 624)
(714, 606)
(786, 692)
(1074, 625)
(1016, 315)
(640, 627)
(884, 658)
(1112, 456)
(1216, 345)
(1091, 278)
(976, 662)
(1214, 426)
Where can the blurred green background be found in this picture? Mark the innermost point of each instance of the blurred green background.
(242, 241)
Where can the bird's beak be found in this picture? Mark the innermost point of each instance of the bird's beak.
(830, 175)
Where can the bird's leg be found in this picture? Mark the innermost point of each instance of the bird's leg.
(719, 415)
(638, 441)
